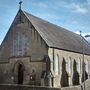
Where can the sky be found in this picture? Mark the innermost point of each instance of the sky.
(73, 15)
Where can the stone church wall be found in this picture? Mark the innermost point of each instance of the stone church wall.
(63, 63)
(35, 42)
(8, 72)
(32, 59)
(70, 58)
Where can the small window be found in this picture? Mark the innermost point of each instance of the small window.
(14, 47)
(26, 42)
(19, 41)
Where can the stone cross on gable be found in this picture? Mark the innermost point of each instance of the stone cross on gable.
(20, 4)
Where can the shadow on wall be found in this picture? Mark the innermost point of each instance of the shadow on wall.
(75, 79)
(79, 87)
(64, 77)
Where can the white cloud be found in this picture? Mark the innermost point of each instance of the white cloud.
(79, 8)
(49, 17)
(74, 22)
(40, 4)
(0, 42)
(88, 1)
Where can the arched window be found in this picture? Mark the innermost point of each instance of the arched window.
(19, 41)
(64, 76)
(26, 42)
(75, 79)
(14, 47)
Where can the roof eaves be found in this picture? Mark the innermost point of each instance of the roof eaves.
(69, 50)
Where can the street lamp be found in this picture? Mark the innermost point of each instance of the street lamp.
(86, 36)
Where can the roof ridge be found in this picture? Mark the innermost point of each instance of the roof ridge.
(52, 23)
(57, 36)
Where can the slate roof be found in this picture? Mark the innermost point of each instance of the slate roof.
(58, 37)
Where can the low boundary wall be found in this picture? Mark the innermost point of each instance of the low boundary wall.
(28, 87)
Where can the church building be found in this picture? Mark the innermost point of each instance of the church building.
(37, 52)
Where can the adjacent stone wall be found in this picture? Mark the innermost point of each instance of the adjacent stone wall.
(72, 88)
(58, 56)
(15, 87)
(27, 87)
(79, 87)
(19, 87)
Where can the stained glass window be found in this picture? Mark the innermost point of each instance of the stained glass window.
(26, 42)
(14, 47)
(19, 41)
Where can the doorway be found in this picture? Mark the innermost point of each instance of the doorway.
(20, 74)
